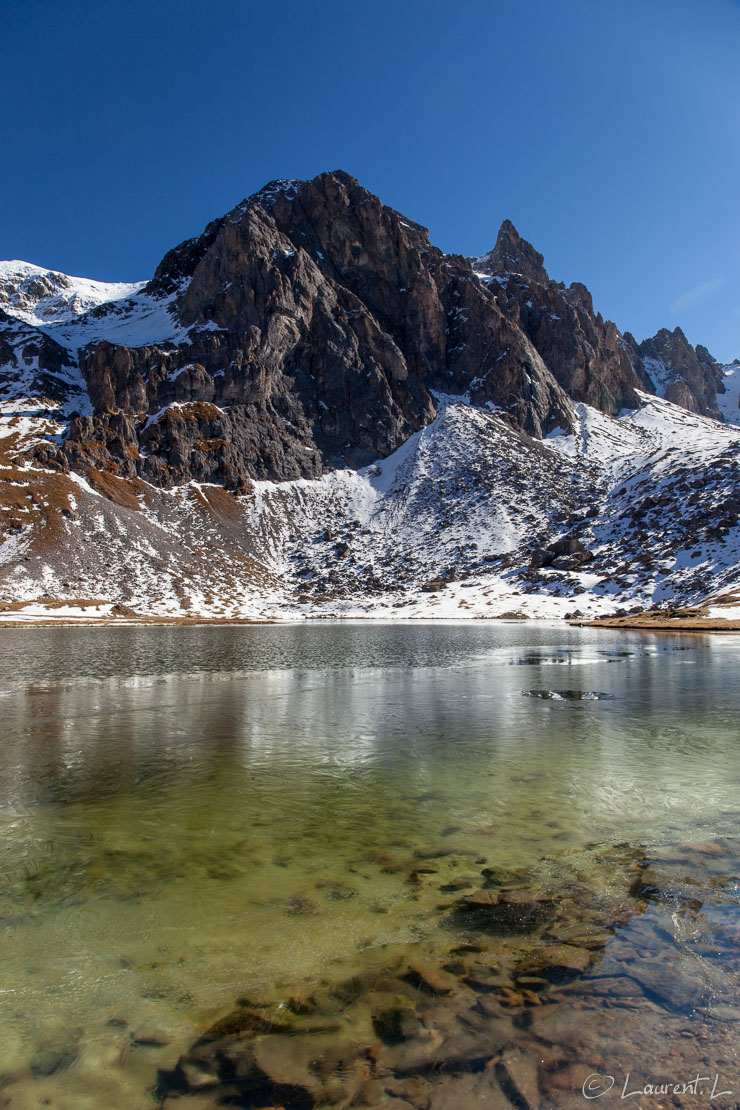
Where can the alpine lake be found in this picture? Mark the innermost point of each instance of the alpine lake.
(412, 867)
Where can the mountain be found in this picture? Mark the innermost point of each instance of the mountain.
(311, 408)
(308, 329)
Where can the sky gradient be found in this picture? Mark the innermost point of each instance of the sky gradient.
(608, 132)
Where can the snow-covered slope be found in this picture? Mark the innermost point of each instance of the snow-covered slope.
(40, 297)
(446, 526)
(137, 319)
(729, 401)
(76, 311)
(660, 374)
(36, 372)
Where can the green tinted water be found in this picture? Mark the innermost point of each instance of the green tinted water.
(190, 814)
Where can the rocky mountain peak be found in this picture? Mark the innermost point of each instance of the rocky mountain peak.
(665, 340)
(281, 187)
(513, 255)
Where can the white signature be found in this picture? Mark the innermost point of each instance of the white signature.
(596, 1085)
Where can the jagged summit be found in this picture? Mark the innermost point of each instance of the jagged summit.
(513, 255)
(284, 186)
(587, 355)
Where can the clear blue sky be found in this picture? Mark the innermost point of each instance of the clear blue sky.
(607, 130)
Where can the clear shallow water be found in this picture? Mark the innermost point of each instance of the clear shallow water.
(190, 814)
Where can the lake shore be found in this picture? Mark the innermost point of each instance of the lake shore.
(719, 614)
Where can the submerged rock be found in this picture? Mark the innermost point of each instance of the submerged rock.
(708, 848)
(56, 1053)
(397, 1021)
(247, 1019)
(506, 911)
(517, 1074)
(557, 961)
(460, 1092)
(425, 975)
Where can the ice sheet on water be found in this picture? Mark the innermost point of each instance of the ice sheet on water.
(568, 695)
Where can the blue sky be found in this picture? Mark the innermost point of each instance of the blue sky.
(609, 132)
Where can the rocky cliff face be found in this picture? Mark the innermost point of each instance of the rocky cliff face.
(587, 355)
(686, 375)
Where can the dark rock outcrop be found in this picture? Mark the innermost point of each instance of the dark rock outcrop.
(567, 553)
